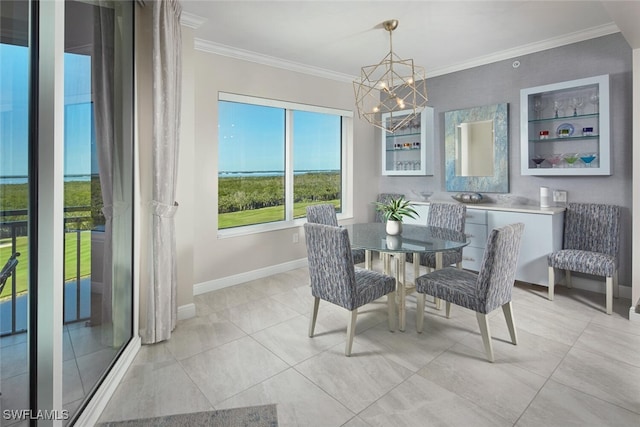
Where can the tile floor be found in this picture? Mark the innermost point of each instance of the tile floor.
(85, 357)
(248, 345)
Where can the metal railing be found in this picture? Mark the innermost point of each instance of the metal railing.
(14, 224)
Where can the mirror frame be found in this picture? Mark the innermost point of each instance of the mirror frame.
(499, 182)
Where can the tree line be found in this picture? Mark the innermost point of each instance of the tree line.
(247, 193)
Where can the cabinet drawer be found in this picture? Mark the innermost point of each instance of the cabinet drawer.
(476, 216)
(471, 258)
(476, 234)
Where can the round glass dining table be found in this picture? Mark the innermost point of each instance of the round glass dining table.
(414, 239)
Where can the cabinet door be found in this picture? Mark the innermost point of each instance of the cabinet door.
(421, 219)
(565, 128)
(542, 235)
(409, 150)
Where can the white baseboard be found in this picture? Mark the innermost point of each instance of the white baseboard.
(634, 315)
(186, 311)
(214, 285)
(91, 414)
(597, 286)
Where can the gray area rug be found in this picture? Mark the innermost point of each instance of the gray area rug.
(250, 416)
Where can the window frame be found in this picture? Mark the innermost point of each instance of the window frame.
(345, 163)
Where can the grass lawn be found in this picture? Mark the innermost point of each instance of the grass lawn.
(263, 215)
(69, 259)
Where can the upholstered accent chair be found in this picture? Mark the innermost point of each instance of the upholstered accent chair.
(334, 278)
(590, 245)
(451, 216)
(481, 292)
(326, 214)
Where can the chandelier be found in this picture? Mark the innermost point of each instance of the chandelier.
(394, 87)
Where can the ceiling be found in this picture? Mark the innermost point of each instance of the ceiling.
(336, 38)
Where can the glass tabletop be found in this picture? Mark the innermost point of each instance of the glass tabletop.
(414, 238)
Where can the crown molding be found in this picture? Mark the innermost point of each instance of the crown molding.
(191, 21)
(579, 36)
(246, 55)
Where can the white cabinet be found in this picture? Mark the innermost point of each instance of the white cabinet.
(423, 213)
(543, 228)
(542, 235)
(564, 128)
(476, 230)
(409, 150)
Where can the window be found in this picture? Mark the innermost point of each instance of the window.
(275, 158)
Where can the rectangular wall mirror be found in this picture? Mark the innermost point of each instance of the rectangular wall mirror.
(477, 149)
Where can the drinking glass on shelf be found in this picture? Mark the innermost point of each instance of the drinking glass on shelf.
(538, 160)
(555, 160)
(571, 159)
(588, 158)
(538, 106)
(594, 99)
(575, 103)
(558, 105)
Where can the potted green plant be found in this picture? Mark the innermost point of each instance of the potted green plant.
(393, 211)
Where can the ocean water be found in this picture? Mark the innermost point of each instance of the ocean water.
(25, 179)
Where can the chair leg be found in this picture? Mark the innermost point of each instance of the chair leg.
(609, 285)
(314, 316)
(507, 309)
(616, 289)
(391, 310)
(351, 330)
(420, 312)
(448, 308)
(567, 279)
(552, 283)
(486, 335)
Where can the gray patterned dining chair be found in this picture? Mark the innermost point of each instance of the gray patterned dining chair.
(590, 245)
(326, 214)
(451, 216)
(481, 292)
(334, 278)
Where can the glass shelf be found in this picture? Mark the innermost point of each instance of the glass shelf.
(398, 150)
(402, 135)
(565, 138)
(565, 118)
(538, 105)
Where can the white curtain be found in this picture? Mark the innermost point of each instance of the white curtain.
(102, 62)
(107, 99)
(162, 307)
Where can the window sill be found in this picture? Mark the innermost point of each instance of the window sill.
(264, 228)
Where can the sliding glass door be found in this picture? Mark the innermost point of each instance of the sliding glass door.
(15, 204)
(66, 202)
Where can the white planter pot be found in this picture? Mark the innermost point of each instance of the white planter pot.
(394, 242)
(394, 227)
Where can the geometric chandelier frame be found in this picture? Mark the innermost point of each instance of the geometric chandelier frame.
(390, 86)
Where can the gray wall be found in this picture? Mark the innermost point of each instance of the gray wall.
(500, 82)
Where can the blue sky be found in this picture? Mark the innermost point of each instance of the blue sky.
(14, 92)
(251, 138)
